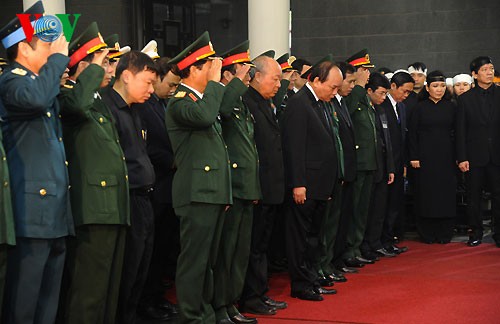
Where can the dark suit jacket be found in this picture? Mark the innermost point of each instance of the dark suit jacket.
(385, 160)
(268, 140)
(398, 134)
(309, 147)
(160, 151)
(478, 131)
(346, 133)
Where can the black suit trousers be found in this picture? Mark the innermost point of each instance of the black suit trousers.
(262, 228)
(303, 242)
(477, 178)
(395, 208)
(346, 213)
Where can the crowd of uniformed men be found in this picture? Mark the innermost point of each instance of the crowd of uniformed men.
(105, 186)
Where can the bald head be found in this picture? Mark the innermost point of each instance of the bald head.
(267, 76)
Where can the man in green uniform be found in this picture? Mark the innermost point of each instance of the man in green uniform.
(7, 233)
(363, 119)
(99, 192)
(201, 189)
(237, 129)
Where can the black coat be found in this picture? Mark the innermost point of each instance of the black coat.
(159, 148)
(309, 147)
(385, 160)
(398, 132)
(346, 133)
(478, 128)
(268, 141)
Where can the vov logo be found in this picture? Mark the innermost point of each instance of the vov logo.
(48, 28)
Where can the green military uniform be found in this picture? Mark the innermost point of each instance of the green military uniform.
(201, 187)
(363, 118)
(99, 198)
(7, 232)
(238, 132)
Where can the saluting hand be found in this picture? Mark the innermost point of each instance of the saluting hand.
(214, 70)
(242, 72)
(60, 46)
(100, 56)
(362, 77)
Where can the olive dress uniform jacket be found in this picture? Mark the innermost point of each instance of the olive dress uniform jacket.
(268, 141)
(7, 233)
(478, 128)
(201, 157)
(35, 151)
(309, 146)
(363, 118)
(238, 132)
(97, 168)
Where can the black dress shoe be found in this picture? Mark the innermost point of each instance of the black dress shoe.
(154, 313)
(241, 319)
(225, 321)
(399, 249)
(324, 291)
(444, 241)
(337, 277)
(257, 307)
(370, 256)
(325, 282)
(308, 294)
(348, 270)
(473, 242)
(169, 307)
(365, 261)
(385, 253)
(274, 303)
(354, 263)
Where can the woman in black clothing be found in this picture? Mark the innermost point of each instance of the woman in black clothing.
(432, 154)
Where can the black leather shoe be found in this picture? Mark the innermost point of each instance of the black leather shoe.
(308, 294)
(365, 261)
(354, 263)
(399, 249)
(241, 319)
(155, 313)
(274, 303)
(473, 242)
(225, 321)
(257, 307)
(370, 256)
(444, 241)
(337, 277)
(169, 307)
(324, 291)
(348, 270)
(385, 253)
(325, 282)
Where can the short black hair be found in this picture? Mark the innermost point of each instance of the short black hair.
(299, 63)
(476, 63)
(184, 73)
(384, 70)
(163, 66)
(377, 80)
(321, 71)
(135, 62)
(345, 68)
(401, 78)
(231, 68)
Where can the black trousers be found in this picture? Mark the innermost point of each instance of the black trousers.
(346, 214)
(376, 217)
(262, 228)
(138, 251)
(395, 208)
(303, 242)
(166, 249)
(478, 179)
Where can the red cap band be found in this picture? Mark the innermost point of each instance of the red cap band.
(236, 58)
(361, 60)
(85, 50)
(196, 56)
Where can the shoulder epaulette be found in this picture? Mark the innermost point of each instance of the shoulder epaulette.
(180, 94)
(19, 71)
